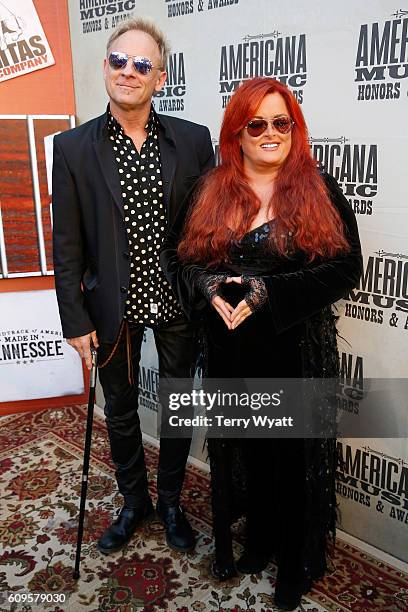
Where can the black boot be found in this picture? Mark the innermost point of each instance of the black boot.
(289, 589)
(119, 533)
(223, 572)
(179, 534)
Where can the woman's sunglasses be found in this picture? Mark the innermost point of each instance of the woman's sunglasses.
(256, 127)
(118, 60)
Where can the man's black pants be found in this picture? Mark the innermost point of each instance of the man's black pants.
(177, 349)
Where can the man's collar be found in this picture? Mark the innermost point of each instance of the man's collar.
(115, 127)
(165, 127)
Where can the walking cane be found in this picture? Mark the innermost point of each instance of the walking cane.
(87, 453)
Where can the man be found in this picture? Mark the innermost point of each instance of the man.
(118, 182)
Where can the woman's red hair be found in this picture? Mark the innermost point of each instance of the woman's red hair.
(225, 205)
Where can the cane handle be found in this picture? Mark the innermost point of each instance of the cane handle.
(94, 355)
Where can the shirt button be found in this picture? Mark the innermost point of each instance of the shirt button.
(125, 254)
(123, 289)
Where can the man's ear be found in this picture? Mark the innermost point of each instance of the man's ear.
(161, 80)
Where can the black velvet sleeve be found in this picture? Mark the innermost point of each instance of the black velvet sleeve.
(295, 296)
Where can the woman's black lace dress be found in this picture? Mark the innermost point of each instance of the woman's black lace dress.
(285, 487)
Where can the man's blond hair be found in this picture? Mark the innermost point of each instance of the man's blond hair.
(146, 26)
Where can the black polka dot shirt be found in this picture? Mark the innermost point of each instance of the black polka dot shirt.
(150, 299)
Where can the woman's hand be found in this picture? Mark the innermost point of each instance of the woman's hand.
(209, 285)
(242, 310)
(224, 310)
(253, 300)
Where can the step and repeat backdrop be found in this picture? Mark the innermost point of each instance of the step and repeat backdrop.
(347, 64)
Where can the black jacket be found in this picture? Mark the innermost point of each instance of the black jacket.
(91, 258)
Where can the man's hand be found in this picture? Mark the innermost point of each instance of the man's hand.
(82, 345)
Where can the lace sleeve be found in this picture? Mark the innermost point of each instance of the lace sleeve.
(257, 294)
(209, 284)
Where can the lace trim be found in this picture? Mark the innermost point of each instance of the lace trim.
(257, 294)
(209, 284)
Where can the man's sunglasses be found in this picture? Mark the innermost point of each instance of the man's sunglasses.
(256, 127)
(118, 60)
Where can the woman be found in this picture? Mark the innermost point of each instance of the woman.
(269, 244)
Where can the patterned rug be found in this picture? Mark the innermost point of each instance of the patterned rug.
(40, 473)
